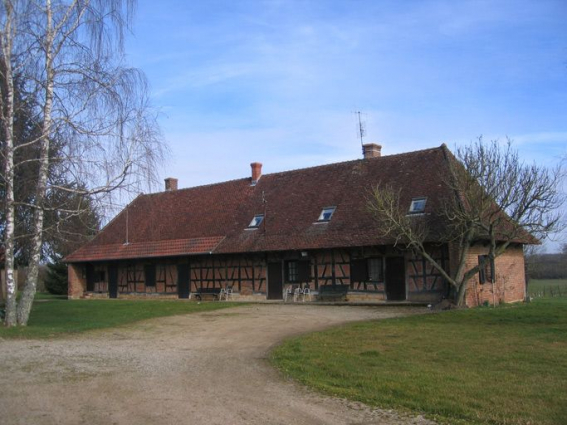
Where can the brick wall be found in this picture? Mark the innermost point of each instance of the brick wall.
(77, 283)
(510, 283)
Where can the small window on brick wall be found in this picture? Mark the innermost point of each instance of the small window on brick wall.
(486, 269)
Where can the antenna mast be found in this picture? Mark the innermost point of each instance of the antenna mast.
(361, 129)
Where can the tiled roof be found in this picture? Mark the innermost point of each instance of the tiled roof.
(148, 249)
(293, 202)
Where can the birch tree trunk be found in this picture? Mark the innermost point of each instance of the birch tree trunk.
(30, 287)
(7, 99)
(98, 133)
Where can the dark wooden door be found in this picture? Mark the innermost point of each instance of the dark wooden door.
(112, 281)
(275, 281)
(183, 280)
(395, 278)
(90, 277)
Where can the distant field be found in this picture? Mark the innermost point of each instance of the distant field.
(547, 287)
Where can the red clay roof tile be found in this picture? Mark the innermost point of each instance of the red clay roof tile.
(218, 215)
(149, 249)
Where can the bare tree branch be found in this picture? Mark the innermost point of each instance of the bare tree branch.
(493, 198)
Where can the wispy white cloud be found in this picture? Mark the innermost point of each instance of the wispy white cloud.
(277, 81)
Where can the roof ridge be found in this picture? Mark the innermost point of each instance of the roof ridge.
(197, 187)
(299, 169)
(352, 161)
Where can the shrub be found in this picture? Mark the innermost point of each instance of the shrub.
(56, 280)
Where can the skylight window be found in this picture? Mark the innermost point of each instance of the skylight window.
(256, 221)
(417, 205)
(327, 213)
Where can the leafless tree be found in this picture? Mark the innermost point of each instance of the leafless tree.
(7, 38)
(494, 198)
(70, 55)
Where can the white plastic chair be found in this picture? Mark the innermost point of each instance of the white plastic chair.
(296, 293)
(228, 293)
(288, 292)
(306, 293)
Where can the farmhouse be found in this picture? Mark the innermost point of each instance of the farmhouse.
(309, 227)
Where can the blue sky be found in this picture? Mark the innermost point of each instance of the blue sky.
(278, 81)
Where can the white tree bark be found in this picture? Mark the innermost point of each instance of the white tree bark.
(69, 55)
(7, 107)
(30, 287)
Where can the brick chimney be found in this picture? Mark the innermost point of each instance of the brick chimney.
(170, 184)
(371, 150)
(256, 172)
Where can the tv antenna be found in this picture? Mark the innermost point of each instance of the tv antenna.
(361, 127)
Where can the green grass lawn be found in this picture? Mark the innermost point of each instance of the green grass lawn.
(481, 366)
(538, 287)
(52, 316)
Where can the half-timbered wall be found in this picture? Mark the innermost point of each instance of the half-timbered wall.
(424, 282)
(247, 274)
(166, 278)
(333, 267)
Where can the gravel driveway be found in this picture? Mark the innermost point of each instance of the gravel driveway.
(206, 368)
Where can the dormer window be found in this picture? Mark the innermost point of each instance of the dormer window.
(327, 213)
(256, 221)
(417, 205)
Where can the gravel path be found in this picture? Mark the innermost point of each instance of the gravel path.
(206, 368)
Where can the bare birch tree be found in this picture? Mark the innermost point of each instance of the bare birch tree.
(7, 38)
(70, 56)
(495, 199)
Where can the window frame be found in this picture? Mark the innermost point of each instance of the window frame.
(417, 201)
(380, 261)
(322, 218)
(301, 272)
(360, 270)
(259, 223)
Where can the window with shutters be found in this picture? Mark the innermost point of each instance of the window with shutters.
(367, 270)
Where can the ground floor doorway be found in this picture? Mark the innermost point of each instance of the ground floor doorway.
(395, 278)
